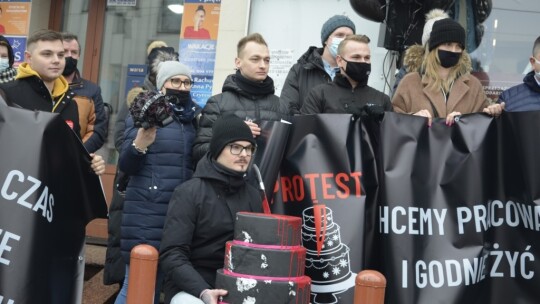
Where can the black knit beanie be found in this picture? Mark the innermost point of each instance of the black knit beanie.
(446, 30)
(228, 129)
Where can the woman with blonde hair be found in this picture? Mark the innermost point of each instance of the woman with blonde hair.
(444, 86)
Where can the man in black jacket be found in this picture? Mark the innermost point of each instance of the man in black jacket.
(201, 215)
(248, 94)
(317, 65)
(349, 92)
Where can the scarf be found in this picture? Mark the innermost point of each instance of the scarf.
(265, 87)
(8, 75)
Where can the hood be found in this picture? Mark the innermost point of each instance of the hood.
(312, 59)
(60, 84)
(208, 169)
(530, 81)
(229, 85)
(130, 98)
(11, 57)
(414, 56)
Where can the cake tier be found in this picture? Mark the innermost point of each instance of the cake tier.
(263, 290)
(265, 260)
(325, 217)
(267, 229)
(329, 267)
(331, 240)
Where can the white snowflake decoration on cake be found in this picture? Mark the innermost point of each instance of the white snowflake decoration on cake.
(326, 274)
(247, 237)
(245, 284)
(330, 243)
(249, 300)
(336, 270)
(264, 263)
(343, 263)
(335, 237)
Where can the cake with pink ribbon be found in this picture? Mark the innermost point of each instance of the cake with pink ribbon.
(265, 262)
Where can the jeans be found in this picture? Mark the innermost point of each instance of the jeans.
(122, 296)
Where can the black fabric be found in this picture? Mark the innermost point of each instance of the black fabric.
(11, 56)
(235, 101)
(307, 73)
(358, 71)
(228, 129)
(448, 59)
(199, 222)
(255, 88)
(70, 67)
(446, 30)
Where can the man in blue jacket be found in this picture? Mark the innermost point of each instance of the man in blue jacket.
(525, 96)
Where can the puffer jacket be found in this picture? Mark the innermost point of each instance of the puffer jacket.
(307, 73)
(233, 100)
(523, 97)
(153, 177)
(199, 222)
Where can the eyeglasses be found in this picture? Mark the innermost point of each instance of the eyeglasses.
(237, 149)
(177, 83)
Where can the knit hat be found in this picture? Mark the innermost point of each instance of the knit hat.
(169, 69)
(334, 23)
(433, 15)
(446, 30)
(228, 129)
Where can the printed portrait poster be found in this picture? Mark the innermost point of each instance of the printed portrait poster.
(15, 17)
(200, 19)
(321, 182)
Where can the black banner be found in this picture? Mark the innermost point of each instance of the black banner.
(48, 194)
(449, 214)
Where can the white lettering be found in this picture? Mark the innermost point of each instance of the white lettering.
(4, 247)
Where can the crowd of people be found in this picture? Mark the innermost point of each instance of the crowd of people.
(182, 180)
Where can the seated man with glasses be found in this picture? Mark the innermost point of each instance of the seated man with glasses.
(201, 215)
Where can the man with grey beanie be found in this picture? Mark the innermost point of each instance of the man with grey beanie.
(317, 65)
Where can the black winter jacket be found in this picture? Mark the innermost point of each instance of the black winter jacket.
(233, 100)
(307, 73)
(340, 97)
(199, 222)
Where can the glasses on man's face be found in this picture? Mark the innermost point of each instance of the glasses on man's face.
(177, 83)
(237, 149)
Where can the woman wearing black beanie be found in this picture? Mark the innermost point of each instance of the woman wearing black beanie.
(444, 86)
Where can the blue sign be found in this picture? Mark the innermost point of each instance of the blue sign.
(18, 44)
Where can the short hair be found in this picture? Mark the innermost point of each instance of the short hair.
(67, 36)
(255, 37)
(536, 47)
(43, 35)
(358, 38)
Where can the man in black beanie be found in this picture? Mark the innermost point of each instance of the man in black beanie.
(201, 214)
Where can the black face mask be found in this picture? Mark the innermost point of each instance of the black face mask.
(358, 71)
(178, 97)
(448, 59)
(71, 66)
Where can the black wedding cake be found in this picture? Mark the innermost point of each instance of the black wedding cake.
(265, 262)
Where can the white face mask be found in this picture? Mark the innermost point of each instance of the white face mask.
(334, 46)
(4, 63)
(537, 73)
